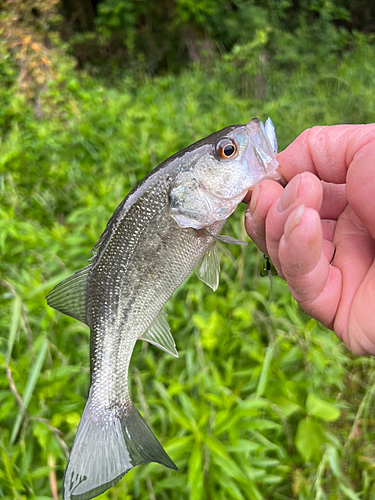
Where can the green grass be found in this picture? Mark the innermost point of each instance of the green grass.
(263, 403)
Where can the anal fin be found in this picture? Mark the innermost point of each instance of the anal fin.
(159, 334)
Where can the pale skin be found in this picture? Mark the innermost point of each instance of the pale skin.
(319, 231)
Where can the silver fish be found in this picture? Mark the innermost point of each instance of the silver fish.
(165, 228)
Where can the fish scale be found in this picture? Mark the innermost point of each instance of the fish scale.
(174, 254)
(164, 229)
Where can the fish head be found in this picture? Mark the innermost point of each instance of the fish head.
(223, 168)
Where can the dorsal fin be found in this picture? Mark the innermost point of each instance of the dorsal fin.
(69, 296)
(159, 334)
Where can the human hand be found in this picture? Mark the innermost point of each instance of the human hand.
(319, 231)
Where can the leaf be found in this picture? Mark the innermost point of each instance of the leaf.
(265, 369)
(333, 460)
(33, 377)
(319, 408)
(179, 445)
(244, 446)
(221, 458)
(15, 321)
(232, 489)
(195, 478)
(309, 439)
(348, 492)
(217, 447)
(42, 434)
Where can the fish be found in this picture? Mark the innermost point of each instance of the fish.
(166, 227)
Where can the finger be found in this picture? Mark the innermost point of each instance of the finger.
(361, 335)
(355, 251)
(328, 231)
(313, 282)
(263, 196)
(325, 151)
(361, 185)
(304, 189)
(334, 200)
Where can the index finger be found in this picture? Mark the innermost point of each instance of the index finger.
(325, 151)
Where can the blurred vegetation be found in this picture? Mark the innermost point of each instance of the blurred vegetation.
(263, 403)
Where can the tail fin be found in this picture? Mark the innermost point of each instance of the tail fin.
(107, 445)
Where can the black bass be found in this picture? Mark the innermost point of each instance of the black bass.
(165, 228)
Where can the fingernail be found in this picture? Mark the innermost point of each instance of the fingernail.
(289, 195)
(292, 222)
(254, 199)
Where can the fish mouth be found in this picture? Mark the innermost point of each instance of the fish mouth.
(263, 149)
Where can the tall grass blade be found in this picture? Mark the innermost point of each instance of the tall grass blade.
(33, 377)
(14, 325)
(348, 492)
(265, 368)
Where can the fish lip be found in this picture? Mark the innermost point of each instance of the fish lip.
(260, 142)
(261, 147)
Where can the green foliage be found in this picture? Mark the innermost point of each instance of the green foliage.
(262, 402)
(163, 36)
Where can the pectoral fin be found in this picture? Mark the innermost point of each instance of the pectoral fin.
(224, 239)
(159, 334)
(208, 270)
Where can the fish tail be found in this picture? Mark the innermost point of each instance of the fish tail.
(109, 442)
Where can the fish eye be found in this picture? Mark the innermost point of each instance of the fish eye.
(226, 148)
